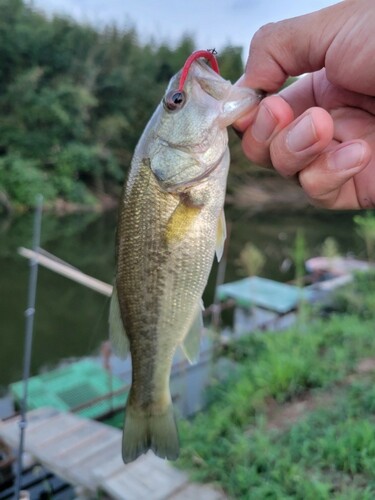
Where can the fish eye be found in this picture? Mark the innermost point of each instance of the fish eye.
(174, 100)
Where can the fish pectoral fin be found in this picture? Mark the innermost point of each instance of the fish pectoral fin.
(221, 236)
(192, 342)
(117, 335)
(181, 221)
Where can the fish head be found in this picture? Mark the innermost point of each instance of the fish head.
(191, 129)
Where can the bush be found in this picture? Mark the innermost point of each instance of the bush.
(22, 180)
(357, 298)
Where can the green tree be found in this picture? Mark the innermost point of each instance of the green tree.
(74, 101)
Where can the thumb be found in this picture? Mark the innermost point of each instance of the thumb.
(293, 46)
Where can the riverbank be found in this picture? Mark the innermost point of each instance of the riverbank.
(255, 194)
(269, 194)
(249, 187)
(101, 203)
(296, 420)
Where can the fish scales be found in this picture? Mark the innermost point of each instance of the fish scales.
(157, 276)
(142, 309)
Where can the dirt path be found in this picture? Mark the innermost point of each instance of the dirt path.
(282, 416)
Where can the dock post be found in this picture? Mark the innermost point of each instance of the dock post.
(29, 327)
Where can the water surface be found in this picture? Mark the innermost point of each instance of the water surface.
(71, 321)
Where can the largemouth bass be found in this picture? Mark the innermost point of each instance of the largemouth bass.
(171, 222)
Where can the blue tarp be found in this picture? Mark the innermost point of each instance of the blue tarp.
(262, 292)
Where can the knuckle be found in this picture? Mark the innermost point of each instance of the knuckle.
(267, 28)
(311, 185)
(258, 155)
(281, 159)
(269, 33)
(263, 33)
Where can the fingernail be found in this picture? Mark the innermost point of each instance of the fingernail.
(302, 135)
(347, 157)
(264, 124)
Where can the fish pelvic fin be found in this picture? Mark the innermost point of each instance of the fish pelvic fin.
(145, 431)
(221, 236)
(117, 335)
(192, 342)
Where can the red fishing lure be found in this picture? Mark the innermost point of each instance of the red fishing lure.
(193, 57)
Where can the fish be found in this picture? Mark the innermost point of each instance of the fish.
(170, 224)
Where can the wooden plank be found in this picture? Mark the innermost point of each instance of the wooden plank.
(84, 472)
(36, 421)
(67, 444)
(110, 468)
(67, 271)
(83, 452)
(51, 430)
(116, 465)
(148, 477)
(54, 438)
(151, 465)
(196, 491)
(161, 480)
(81, 473)
(88, 453)
(65, 438)
(124, 486)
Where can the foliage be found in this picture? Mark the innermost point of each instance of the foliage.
(299, 256)
(330, 248)
(230, 63)
(366, 229)
(328, 454)
(74, 101)
(358, 300)
(23, 181)
(251, 260)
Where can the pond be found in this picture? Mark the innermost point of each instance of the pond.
(71, 321)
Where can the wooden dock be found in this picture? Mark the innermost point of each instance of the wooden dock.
(87, 454)
(57, 265)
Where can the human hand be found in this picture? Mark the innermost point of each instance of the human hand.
(321, 128)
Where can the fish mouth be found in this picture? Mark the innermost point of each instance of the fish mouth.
(240, 101)
(183, 185)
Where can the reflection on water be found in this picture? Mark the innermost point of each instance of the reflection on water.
(72, 320)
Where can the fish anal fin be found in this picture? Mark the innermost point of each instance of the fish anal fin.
(192, 342)
(117, 334)
(221, 236)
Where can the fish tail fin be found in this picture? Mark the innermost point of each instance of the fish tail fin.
(145, 431)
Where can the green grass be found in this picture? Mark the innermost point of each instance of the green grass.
(328, 453)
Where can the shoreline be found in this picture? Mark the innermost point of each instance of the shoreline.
(258, 194)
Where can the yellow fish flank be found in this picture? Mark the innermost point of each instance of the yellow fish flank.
(170, 224)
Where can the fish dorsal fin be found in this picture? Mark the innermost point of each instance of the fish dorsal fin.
(221, 236)
(192, 342)
(117, 334)
(181, 221)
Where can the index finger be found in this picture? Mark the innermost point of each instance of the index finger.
(292, 47)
